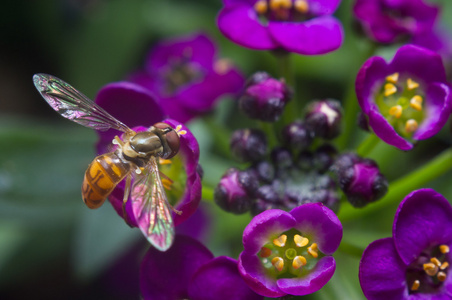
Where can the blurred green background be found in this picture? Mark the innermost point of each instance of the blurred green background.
(51, 245)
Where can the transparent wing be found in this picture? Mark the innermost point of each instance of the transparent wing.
(151, 207)
(73, 105)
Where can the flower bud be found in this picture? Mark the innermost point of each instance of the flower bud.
(324, 118)
(265, 171)
(297, 136)
(324, 157)
(264, 97)
(360, 179)
(248, 145)
(282, 158)
(231, 195)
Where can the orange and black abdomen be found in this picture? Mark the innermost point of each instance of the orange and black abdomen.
(101, 177)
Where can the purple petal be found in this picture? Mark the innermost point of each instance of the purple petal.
(386, 132)
(202, 96)
(166, 275)
(198, 226)
(129, 103)
(314, 281)
(220, 279)
(240, 24)
(368, 81)
(422, 63)
(437, 110)
(198, 48)
(189, 153)
(265, 227)
(381, 272)
(243, 2)
(255, 275)
(316, 36)
(423, 219)
(321, 224)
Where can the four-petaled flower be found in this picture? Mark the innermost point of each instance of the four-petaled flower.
(389, 21)
(414, 263)
(290, 252)
(136, 107)
(409, 98)
(302, 26)
(188, 270)
(187, 77)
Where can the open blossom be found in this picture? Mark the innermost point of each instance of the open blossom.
(414, 263)
(135, 106)
(188, 270)
(302, 26)
(187, 77)
(406, 99)
(389, 21)
(290, 252)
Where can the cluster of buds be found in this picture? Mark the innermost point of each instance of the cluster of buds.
(301, 169)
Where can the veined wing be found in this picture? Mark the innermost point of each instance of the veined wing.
(151, 208)
(75, 106)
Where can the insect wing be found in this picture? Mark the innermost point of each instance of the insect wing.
(151, 207)
(73, 105)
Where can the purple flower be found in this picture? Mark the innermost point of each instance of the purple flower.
(187, 77)
(188, 270)
(414, 263)
(301, 26)
(389, 21)
(290, 252)
(136, 107)
(407, 99)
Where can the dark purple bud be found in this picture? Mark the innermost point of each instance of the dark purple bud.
(297, 136)
(248, 145)
(360, 179)
(324, 118)
(230, 195)
(268, 194)
(260, 206)
(200, 171)
(331, 200)
(324, 157)
(249, 181)
(265, 171)
(281, 157)
(264, 98)
(305, 161)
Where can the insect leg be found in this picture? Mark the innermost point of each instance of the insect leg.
(126, 197)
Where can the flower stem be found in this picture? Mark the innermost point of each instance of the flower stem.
(286, 71)
(399, 188)
(366, 147)
(269, 129)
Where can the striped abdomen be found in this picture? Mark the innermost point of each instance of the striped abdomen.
(101, 177)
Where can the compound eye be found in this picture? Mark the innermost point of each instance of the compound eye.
(172, 139)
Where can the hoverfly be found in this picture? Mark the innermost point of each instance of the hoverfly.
(136, 158)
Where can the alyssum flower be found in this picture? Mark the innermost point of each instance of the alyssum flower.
(388, 21)
(301, 26)
(290, 252)
(186, 76)
(415, 262)
(136, 107)
(406, 99)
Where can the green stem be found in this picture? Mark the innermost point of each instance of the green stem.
(401, 187)
(350, 105)
(269, 129)
(366, 147)
(285, 65)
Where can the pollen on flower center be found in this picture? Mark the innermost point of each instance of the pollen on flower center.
(433, 262)
(289, 253)
(401, 102)
(282, 10)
